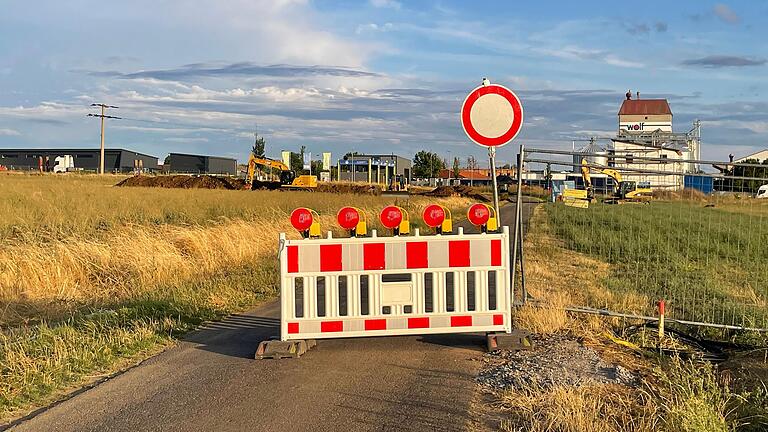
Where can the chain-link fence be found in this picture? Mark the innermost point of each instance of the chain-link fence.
(619, 231)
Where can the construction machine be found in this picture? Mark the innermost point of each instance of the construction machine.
(625, 192)
(284, 178)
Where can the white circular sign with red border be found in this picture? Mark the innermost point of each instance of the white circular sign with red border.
(492, 115)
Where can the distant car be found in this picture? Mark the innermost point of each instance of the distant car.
(762, 192)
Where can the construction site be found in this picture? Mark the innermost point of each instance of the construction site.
(383, 216)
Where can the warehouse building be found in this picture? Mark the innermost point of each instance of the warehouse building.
(375, 168)
(200, 164)
(115, 160)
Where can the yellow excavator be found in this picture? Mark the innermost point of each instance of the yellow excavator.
(625, 192)
(285, 177)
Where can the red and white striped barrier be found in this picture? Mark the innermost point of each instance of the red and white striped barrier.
(381, 286)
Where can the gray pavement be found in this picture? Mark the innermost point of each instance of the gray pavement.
(210, 382)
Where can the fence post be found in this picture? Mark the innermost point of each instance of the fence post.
(518, 216)
(661, 319)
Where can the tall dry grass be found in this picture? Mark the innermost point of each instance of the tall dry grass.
(77, 239)
(93, 277)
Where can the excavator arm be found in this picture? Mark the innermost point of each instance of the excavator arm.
(268, 163)
(612, 173)
(271, 163)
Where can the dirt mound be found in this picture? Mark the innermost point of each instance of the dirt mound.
(686, 194)
(362, 189)
(183, 182)
(459, 191)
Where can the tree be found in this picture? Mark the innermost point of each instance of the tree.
(456, 167)
(258, 146)
(427, 164)
(317, 166)
(750, 186)
(297, 161)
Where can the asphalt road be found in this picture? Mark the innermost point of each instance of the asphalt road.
(210, 382)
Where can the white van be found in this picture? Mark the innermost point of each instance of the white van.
(762, 192)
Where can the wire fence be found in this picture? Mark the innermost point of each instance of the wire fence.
(626, 230)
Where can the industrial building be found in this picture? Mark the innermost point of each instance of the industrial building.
(647, 147)
(375, 168)
(200, 164)
(115, 160)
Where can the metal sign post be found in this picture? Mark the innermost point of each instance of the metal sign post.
(492, 157)
(492, 116)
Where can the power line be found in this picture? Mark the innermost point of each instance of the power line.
(103, 116)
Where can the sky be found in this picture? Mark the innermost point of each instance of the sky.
(378, 76)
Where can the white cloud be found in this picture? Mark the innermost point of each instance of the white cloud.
(187, 140)
(9, 132)
(286, 31)
(760, 127)
(386, 4)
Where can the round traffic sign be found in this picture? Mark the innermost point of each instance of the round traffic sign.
(434, 215)
(391, 217)
(301, 219)
(478, 214)
(492, 115)
(348, 218)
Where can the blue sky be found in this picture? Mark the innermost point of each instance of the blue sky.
(377, 76)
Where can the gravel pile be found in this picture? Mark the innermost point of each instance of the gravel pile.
(554, 362)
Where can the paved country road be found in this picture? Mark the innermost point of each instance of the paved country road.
(210, 382)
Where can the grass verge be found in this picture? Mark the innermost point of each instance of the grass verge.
(675, 395)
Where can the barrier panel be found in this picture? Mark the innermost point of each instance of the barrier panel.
(402, 285)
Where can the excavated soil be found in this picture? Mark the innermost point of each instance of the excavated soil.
(211, 182)
(183, 182)
(362, 189)
(457, 191)
(686, 194)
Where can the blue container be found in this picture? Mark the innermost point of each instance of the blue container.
(700, 183)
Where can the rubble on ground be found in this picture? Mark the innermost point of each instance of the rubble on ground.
(554, 361)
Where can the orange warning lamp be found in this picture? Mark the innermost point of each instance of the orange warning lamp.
(396, 219)
(353, 219)
(484, 216)
(305, 221)
(438, 217)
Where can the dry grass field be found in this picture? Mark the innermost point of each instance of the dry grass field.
(94, 277)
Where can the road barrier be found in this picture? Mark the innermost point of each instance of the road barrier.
(399, 285)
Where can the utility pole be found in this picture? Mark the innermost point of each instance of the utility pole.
(103, 116)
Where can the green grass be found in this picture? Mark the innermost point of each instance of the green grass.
(709, 264)
(39, 361)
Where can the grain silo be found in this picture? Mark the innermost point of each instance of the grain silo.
(594, 154)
